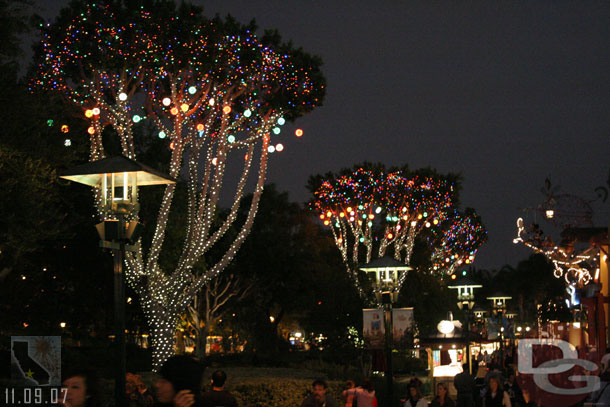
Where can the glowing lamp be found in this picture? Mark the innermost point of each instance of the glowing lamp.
(445, 327)
(465, 289)
(88, 113)
(118, 179)
(212, 101)
(214, 161)
(122, 96)
(387, 273)
(549, 213)
(172, 145)
(298, 132)
(166, 101)
(499, 301)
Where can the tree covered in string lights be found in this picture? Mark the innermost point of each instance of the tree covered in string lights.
(374, 212)
(209, 87)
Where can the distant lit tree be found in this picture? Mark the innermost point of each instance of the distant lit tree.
(372, 212)
(210, 88)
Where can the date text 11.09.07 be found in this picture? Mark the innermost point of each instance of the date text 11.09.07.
(34, 396)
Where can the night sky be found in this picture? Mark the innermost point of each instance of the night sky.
(505, 93)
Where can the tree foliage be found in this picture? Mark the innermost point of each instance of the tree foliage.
(209, 87)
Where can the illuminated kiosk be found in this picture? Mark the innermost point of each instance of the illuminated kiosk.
(447, 348)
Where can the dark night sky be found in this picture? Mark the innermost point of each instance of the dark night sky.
(505, 93)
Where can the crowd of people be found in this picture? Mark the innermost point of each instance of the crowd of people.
(179, 385)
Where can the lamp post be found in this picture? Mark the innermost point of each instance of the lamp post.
(499, 306)
(387, 272)
(117, 180)
(465, 288)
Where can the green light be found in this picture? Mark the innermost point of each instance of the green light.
(136, 119)
(231, 139)
(276, 130)
(370, 224)
(425, 214)
(464, 272)
(248, 113)
(281, 121)
(162, 134)
(192, 90)
(361, 240)
(50, 122)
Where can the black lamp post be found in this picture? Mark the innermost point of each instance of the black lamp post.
(499, 306)
(117, 180)
(387, 273)
(465, 288)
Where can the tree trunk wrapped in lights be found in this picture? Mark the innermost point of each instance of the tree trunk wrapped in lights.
(210, 88)
(371, 211)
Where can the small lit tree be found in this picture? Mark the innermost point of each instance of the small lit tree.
(211, 88)
(371, 211)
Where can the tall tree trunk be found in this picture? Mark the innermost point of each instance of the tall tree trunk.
(163, 327)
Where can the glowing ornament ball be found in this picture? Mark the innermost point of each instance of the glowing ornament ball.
(174, 111)
(122, 96)
(298, 132)
(91, 130)
(200, 127)
(162, 134)
(184, 107)
(279, 147)
(88, 113)
(226, 109)
(64, 128)
(166, 101)
(96, 111)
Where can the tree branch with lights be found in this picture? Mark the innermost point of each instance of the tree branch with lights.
(208, 87)
(373, 211)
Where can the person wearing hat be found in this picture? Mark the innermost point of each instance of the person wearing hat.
(180, 382)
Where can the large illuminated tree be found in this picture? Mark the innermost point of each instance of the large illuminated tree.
(210, 88)
(372, 212)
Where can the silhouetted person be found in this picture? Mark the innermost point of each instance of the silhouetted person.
(464, 384)
(180, 382)
(318, 397)
(218, 396)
